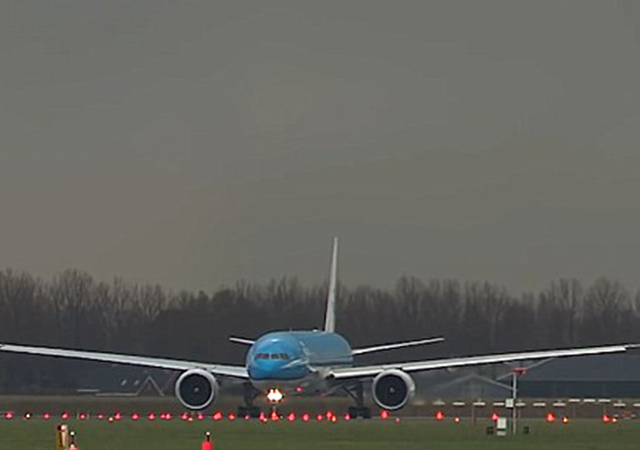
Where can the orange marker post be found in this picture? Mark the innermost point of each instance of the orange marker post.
(207, 444)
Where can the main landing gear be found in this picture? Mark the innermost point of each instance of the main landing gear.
(356, 393)
(251, 410)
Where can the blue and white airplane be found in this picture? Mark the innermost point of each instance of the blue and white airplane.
(289, 363)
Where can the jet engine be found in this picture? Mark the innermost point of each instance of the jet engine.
(197, 389)
(392, 389)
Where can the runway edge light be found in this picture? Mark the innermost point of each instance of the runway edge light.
(72, 441)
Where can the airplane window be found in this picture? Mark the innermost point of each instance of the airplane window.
(275, 356)
(284, 356)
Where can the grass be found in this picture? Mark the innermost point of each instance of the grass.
(409, 434)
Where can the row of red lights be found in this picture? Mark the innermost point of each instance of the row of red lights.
(306, 417)
(217, 416)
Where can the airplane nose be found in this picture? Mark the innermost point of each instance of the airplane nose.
(262, 370)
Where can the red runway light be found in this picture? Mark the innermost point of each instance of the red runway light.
(167, 416)
(320, 417)
(9, 415)
(200, 416)
(384, 415)
(274, 416)
(439, 415)
(347, 417)
(100, 416)
(185, 416)
(247, 417)
(329, 414)
(263, 416)
(306, 417)
(117, 416)
(494, 417)
(565, 420)
(232, 416)
(217, 415)
(456, 419)
(334, 419)
(151, 416)
(397, 420)
(135, 416)
(46, 416)
(82, 416)
(65, 416)
(551, 417)
(291, 417)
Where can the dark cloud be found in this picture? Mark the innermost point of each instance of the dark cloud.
(196, 143)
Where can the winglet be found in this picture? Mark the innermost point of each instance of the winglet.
(330, 316)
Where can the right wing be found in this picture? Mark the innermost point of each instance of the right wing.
(342, 373)
(159, 363)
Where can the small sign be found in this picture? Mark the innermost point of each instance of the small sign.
(501, 426)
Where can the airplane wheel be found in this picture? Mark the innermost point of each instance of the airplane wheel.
(356, 411)
(251, 411)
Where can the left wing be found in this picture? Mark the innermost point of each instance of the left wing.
(159, 363)
(417, 366)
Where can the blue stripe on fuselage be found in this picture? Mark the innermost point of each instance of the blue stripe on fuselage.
(303, 349)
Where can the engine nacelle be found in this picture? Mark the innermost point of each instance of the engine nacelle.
(197, 389)
(392, 389)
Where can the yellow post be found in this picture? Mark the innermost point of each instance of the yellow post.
(62, 437)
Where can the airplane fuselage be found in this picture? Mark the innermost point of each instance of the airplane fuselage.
(296, 361)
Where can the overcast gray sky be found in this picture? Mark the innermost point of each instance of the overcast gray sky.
(196, 143)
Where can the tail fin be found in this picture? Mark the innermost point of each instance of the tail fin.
(330, 316)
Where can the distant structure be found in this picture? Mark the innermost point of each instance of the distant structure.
(127, 382)
(582, 377)
(597, 376)
(466, 384)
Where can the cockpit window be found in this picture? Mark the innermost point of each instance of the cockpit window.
(272, 356)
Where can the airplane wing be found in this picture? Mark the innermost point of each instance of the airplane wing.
(159, 363)
(378, 348)
(417, 366)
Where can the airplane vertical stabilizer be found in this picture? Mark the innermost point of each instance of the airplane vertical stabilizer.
(330, 316)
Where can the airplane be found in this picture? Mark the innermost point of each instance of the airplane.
(316, 362)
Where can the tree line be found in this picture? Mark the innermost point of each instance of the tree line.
(74, 310)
